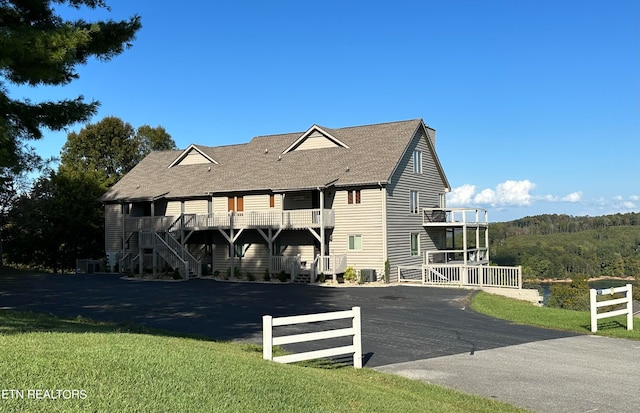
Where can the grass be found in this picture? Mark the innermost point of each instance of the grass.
(575, 321)
(119, 368)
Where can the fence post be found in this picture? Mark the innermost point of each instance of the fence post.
(267, 337)
(519, 276)
(594, 310)
(629, 307)
(357, 338)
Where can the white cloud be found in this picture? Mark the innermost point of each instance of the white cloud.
(518, 194)
(573, 197)
(461, 196)
(508, 193)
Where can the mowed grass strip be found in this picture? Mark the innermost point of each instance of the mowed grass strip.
(522, 312)
(129, 371)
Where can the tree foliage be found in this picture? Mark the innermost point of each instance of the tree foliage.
(571, 296)
(59, 220)
(38, 47)
(111, 148)
(560, 246)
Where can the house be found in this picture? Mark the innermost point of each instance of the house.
(371, 197)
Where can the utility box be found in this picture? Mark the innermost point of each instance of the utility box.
(368, 275)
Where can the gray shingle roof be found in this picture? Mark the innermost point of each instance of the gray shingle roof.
(372, 156)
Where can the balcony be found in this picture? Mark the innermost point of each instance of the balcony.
(287, 219)
(454, 217)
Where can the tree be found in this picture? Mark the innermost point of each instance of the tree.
(59, 220)
(38, 47)
(111, 148)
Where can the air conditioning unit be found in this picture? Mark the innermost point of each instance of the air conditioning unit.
(368, 275)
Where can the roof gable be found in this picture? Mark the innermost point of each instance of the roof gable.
(192, 156)
(315, 138)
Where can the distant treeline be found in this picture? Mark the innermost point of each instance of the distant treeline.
(559, 246)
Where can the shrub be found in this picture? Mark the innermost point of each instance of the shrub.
(283, 276)
(350, 274)
(571, 296)
(266, 276)
(386, 271)
(227, 274)
(321, 278)
(216, 273)
(250, 276)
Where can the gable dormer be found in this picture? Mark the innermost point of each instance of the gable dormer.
(315, 138)
(192, 156)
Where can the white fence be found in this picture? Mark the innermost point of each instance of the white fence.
(268, 340)
(626, 301)
(462, 275)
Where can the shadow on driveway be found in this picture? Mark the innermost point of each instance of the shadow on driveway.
(399, 323)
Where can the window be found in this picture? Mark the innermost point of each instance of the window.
(417, 162)
(414, 202)
(353, 197)
(355, 242)
(238, 250)
(415, 244)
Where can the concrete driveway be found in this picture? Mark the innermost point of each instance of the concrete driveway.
(424, 333)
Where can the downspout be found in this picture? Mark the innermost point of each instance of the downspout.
(384, 227)
(322, 240)
(124, 237)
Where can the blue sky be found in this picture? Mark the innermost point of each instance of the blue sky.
(536, 103)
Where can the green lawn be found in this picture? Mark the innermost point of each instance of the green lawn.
(124, 369)
(577, 321)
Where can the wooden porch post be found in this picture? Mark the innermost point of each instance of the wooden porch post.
(270, 246)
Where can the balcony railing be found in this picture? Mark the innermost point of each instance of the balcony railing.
(454, 216)
(288, 219)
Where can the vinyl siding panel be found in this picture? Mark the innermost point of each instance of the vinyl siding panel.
(316, 141)
(193, 158)
(363, 219)
(400, 221)
(199, 206)
(113, 228)
(256, 257)
(173, 208)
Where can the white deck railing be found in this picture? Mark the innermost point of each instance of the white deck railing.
(444, 216)
(447, 256)
(288, 219)
(281, 263)
(268, 339)
(462, 275)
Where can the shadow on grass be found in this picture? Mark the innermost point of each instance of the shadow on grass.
(21, 322)
(607, 325)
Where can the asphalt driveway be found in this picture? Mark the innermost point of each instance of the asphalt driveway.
(399, 323)
(427, 334)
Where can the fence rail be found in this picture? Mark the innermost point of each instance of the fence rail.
(268, 340)
(627, 301)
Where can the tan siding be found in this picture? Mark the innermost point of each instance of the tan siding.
(173, 208)
(316, 141)
(359, 219)
(220, 205)
(400, 222)
(192, 158)
(113, 228)
(256, 202)
(199, 206)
